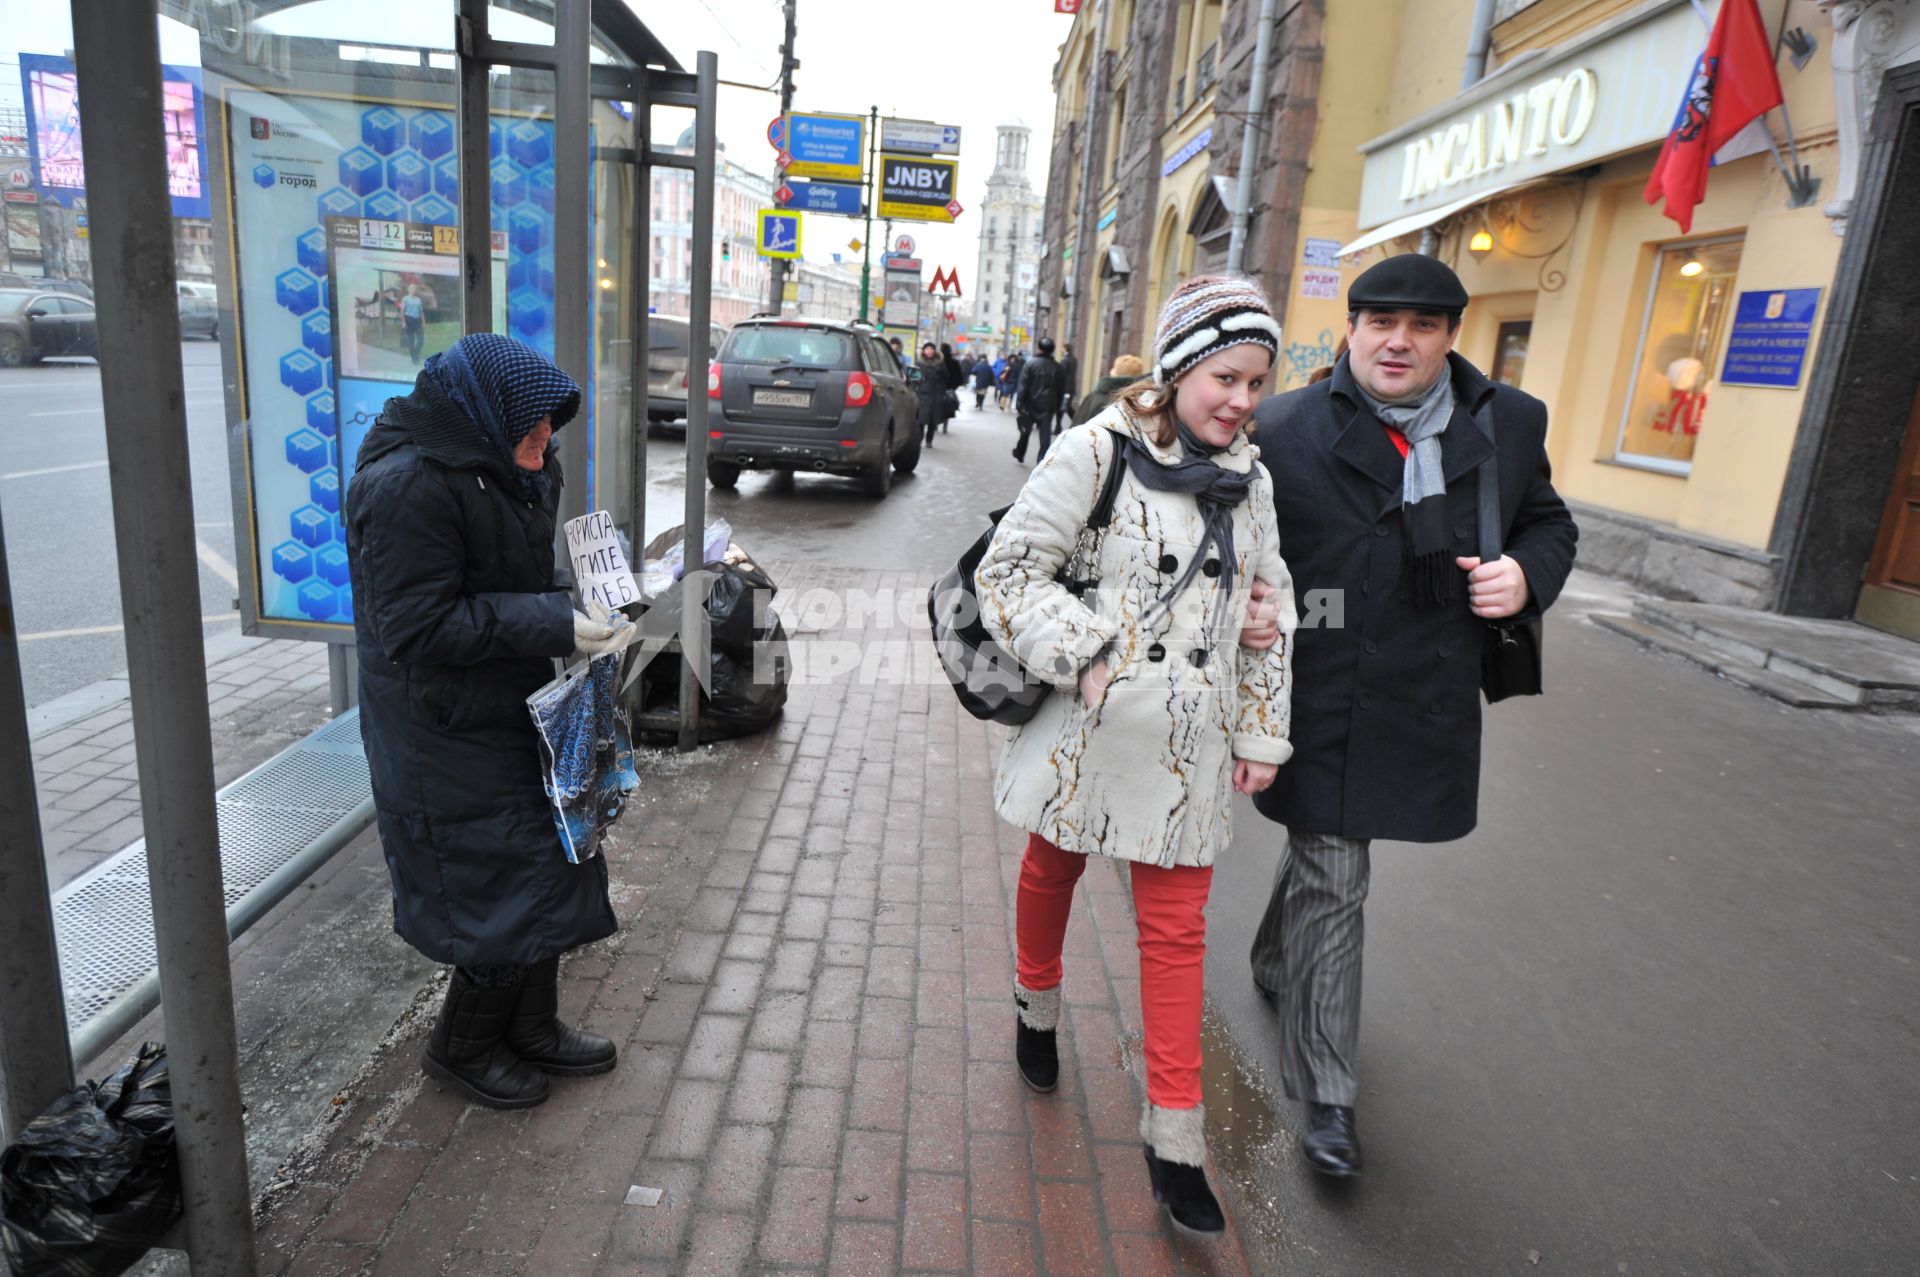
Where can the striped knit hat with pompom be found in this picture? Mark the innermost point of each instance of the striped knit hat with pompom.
(1206, 315)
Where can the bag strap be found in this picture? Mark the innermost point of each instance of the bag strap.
(1489, 485)
(1102, 513)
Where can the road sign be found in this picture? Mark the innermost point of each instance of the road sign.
(842, 198)
(779, 234)
(918, 188)
(919, 137)
(777, 133)
(829, 146)
(783, 161)
(783, 195)
(19, 177)
(981, 330)
(904, 245)
(854, 244)
(954, 210)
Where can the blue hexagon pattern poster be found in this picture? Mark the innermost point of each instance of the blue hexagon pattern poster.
(318, 366)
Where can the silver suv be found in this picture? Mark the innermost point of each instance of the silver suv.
(809, 394)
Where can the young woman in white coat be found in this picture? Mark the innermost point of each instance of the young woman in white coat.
(1161, 714)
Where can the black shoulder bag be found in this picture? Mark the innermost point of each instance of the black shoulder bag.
(1510, 654)
(990, 683)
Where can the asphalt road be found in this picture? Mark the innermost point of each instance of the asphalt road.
(58, 513)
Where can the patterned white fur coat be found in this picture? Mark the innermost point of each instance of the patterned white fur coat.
(1145, 774)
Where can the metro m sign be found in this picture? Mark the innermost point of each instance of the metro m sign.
(917, 187)
(946, 279)
(1066, 6)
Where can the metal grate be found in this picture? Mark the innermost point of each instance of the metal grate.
(103, 920)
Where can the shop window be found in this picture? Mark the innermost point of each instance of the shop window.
(1681, 336)
(1510, 351)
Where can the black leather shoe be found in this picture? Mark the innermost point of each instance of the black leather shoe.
(1331, 1144)
(468, 1051)
(1183, 1190)
(537, 1036)
(1037, 1051)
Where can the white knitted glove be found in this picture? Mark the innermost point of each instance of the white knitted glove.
(594, 633)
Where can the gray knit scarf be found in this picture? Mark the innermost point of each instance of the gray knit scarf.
(1216, 489)
(1428, 576)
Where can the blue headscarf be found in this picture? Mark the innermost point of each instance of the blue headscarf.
(505, 386)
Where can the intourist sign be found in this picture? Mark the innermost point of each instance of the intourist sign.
(1554, 112)
(1612, 89)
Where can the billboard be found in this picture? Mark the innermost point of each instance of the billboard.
(51, 89)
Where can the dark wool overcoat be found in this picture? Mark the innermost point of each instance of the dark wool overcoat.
(1386, 707)
(458, 613)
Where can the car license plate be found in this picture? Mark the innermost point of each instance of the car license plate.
(782, 398)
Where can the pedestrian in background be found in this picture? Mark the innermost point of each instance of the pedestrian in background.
(900, 353)
(459, 615)
(1387, 718)
(1069, 381)
(1160, 714)
(956, 377)
(1010, 379)
(1125, 371)
(930, 389)
(982, 383)
(1036, 400)
(413, 321)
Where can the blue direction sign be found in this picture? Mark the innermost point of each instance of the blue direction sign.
(829, 146)
(824, 197)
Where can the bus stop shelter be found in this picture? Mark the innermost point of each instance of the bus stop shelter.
(492, 161)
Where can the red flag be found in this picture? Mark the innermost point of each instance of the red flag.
(1734, 83)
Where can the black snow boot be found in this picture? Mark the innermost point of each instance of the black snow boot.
(1176, 1145)
(538, 1037)
(468, 1048)
(1036, 1047)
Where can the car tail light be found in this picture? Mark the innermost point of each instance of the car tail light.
(716, 434)
(859, 389)
(849, 443)
(713, 380)
(683, 381)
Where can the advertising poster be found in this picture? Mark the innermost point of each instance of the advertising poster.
(335, 327)
(51, 90)
(23, 232)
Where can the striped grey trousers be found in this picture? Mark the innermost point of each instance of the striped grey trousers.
(1307, 954)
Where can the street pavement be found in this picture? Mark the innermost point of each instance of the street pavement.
(1657, 1015)
(59, 516)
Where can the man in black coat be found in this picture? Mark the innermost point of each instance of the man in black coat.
(1036, 401)
(1376, 480)
(458, 613)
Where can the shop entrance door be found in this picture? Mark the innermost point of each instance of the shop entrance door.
(1891, 598)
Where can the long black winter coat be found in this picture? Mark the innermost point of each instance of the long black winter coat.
(459, 612)
(1386, 709)
(930, 392)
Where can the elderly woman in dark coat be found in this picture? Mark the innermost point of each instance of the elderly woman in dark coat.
(458, 613)
(931, 389)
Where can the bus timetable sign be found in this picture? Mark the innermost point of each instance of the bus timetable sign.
(918, 188)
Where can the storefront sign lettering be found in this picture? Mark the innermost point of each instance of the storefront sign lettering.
(1555, 112)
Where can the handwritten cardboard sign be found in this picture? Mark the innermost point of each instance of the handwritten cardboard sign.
(598, 563)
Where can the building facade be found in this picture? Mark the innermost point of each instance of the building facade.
(1013, 225)
(1696, 380)
(740, 275)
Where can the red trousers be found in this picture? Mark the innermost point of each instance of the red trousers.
(1170, 908)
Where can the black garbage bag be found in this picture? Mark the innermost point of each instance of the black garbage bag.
(749, 669)
(93, 1183)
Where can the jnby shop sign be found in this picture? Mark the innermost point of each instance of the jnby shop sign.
(1553, 113)
(1604, 93)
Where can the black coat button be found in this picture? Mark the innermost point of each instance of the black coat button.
(1445, 651)
(1370, 647)
(1434, 708)
(1169, 564)
(1364, 701)
(1379, 529)
(1198, 656)
(1157, 653)
(1211, 567)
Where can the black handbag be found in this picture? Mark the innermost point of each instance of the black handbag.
(990, 683)
(1510, 653)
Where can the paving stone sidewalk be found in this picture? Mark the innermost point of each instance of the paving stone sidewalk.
(262, 696)
(811, 990)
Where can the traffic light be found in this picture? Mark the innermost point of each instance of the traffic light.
(726, 249)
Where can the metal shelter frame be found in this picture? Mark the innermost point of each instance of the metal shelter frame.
(116, 47)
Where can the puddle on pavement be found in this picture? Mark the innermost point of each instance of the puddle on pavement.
(1244, 1135)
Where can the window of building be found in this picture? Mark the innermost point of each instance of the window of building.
(1510, 351)
(1681, 337)
(1116, 132)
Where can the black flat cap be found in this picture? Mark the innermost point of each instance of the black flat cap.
(1411, 281)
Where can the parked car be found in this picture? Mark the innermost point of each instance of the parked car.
(670, 363)
(36, 325)
(199, 316)
(809, 394)
(71, 287)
